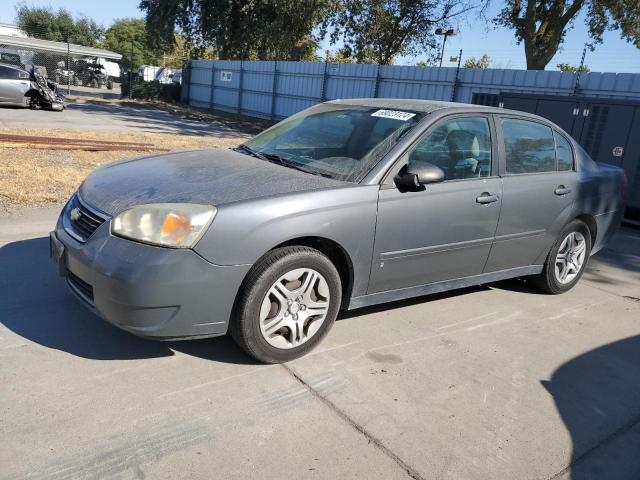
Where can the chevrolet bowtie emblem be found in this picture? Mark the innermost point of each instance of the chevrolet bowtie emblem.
(74, 214)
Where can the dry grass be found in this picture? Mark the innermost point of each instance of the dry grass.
(38, 177)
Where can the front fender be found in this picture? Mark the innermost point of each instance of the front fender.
(242, 232)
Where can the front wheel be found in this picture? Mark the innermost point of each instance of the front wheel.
(289, 302)
(567, 259)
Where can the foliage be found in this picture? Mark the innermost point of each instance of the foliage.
(60, 26)
(565, 67)
(483, 62)
(543, 24)
(338, 56)
(283, 30)
(151, 90)
(126, 35)
(378, 31)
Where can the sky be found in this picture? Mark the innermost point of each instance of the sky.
(613, 55)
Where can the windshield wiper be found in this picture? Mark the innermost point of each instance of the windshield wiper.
(242, 147)
(284, 162)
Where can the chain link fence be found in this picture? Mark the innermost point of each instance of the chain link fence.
(75, 69)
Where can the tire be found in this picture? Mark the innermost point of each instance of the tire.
(550, 280)
(260, 304)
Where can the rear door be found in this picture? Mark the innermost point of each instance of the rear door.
(14, 84)
(443, 231)
(539, 185)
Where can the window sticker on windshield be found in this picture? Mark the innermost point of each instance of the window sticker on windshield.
(395, 114)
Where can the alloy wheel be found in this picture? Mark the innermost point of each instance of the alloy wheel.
(294, 308)
(570, 257)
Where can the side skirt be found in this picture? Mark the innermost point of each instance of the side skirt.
(411, 292)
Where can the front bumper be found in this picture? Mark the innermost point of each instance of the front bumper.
(150, 291)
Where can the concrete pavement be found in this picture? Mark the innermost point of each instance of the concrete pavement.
(496, 382)
(116, 117)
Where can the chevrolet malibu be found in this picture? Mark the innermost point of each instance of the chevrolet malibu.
(346, 204)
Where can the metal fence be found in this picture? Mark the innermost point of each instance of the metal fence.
(76, 69)
(277, 89)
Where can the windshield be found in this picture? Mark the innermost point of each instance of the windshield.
(337, 141)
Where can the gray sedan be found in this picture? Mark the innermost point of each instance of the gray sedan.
(346, 204)
(15, 83)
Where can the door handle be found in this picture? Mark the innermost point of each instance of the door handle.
(562, 190)
(486, 197)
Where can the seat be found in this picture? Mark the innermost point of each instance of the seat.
(464, 150)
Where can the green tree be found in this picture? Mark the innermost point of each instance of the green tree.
(483, 62)
(565, 67)
(253, 29)
(338, 56)
(59, 26)
(128, 34)
(543, 24)
(378, 31)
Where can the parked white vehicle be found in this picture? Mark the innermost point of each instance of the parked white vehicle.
(111, 69)
(148, 72)
(165, 75)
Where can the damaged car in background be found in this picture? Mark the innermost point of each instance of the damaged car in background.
(28, 87)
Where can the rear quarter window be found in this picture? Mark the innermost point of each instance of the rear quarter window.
(564, 153)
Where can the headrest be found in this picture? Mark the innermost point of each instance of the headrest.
(464, 142)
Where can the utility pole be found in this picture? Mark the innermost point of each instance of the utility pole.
(445, 33)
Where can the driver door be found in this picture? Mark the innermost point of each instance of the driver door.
(442, 231)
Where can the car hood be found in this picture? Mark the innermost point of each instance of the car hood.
(212, 177)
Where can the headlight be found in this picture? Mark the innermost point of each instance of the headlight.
(168, 224)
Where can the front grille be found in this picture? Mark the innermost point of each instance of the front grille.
(82, 220)
(80, 286)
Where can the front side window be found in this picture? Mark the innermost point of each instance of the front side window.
(563, 153)
(460, 147)
(529, 147)
(338, 141)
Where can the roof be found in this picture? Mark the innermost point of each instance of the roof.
(428, 106)
(56, 47)
(417, 105)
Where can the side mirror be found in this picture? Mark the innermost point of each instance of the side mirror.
(415, 175)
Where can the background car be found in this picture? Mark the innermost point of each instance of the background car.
(346, 204)
(15, 82)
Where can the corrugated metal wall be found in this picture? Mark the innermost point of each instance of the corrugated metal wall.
(278, 89)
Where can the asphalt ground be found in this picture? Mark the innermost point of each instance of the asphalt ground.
(493, 382)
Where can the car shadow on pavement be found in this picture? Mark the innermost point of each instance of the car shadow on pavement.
(36, 304)
(598, 397)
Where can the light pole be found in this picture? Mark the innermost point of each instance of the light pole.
(445, 33)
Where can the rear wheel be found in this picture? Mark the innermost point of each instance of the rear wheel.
(289, 302)
(567, 259)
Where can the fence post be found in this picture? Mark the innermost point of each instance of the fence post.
(576, 86)
(455, 81)
(240, 90)
(377, 84)
(68, 68)
(187, 82)
(325, 77)
(213, 82)
(274, 90)
(131, 73)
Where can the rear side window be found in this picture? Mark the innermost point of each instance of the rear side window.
(529, 147)
(564, 153)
